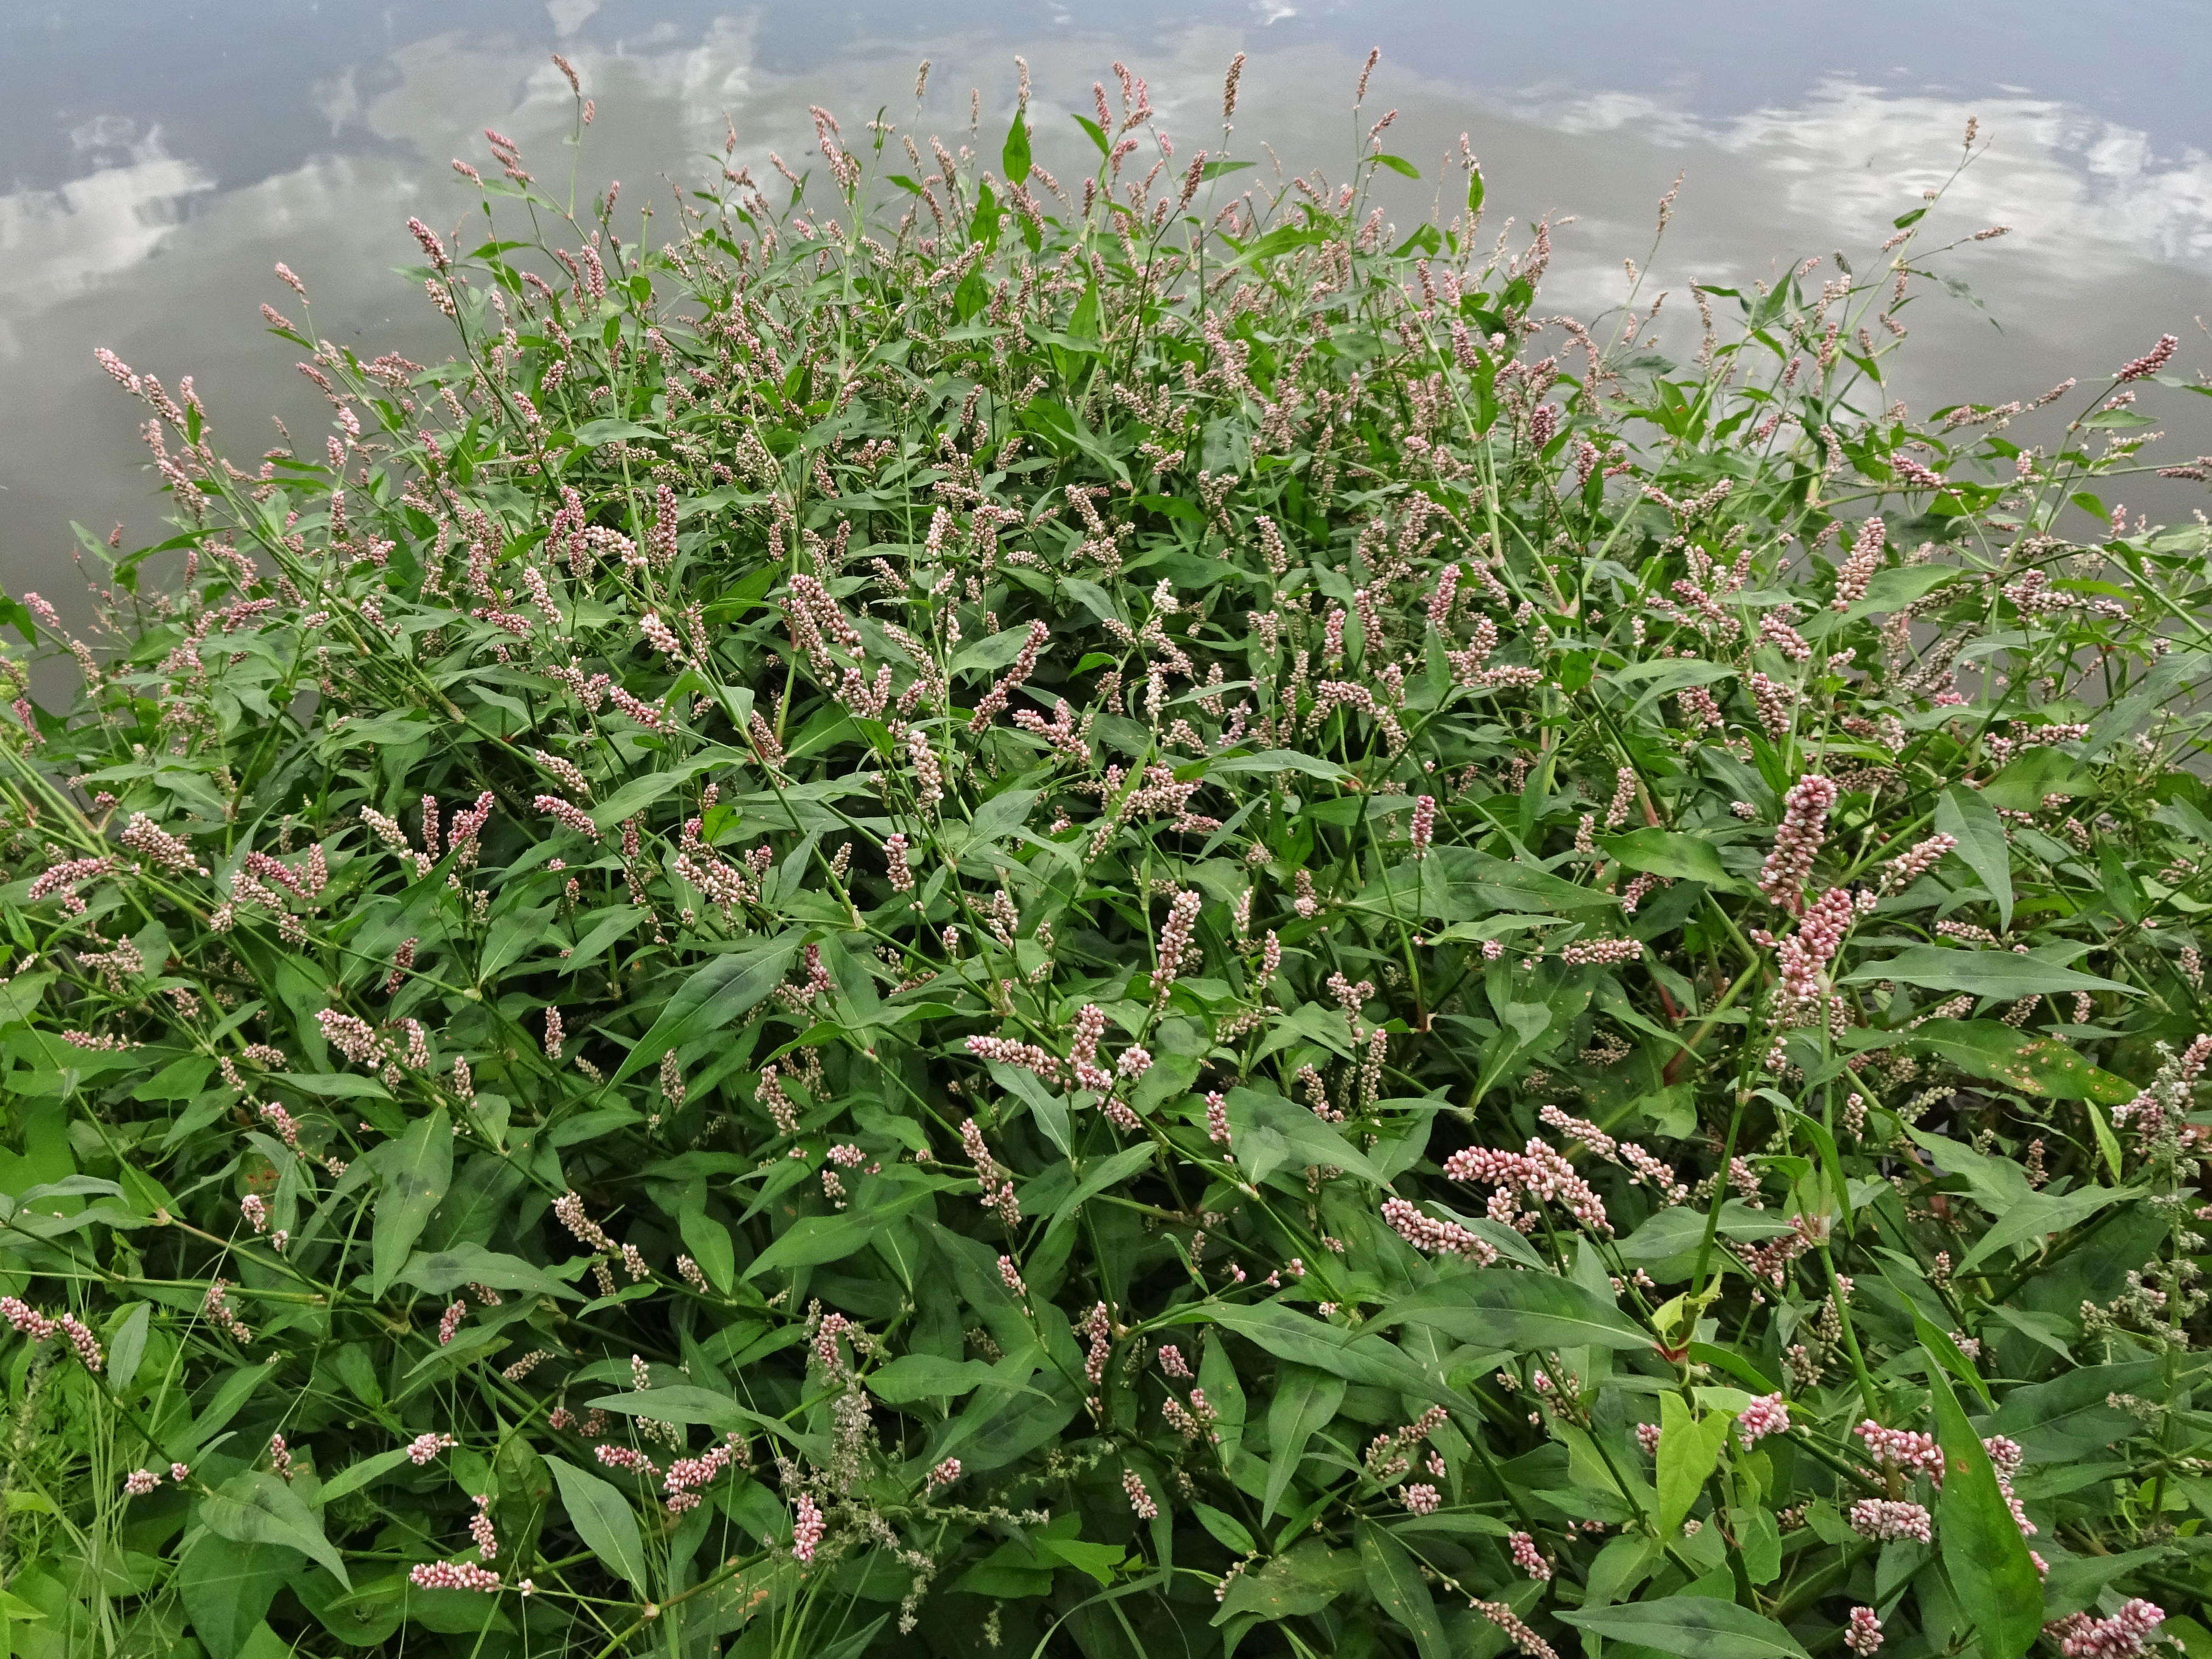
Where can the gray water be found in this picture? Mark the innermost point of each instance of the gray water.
(159, 158)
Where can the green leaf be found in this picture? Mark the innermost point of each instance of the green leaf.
(1014, 154)
(444, 1271)
(1947, 1351)
(1227, 1530)
(2107, 1142)
(337, 1086)
(127, 1345)
(2024, 780)
(642, 791)
(1355, 1355)
(1997, 973)
(1400, 1591)
(1497, 1307)
(227, 1587)
(1663, 853)
(256, 1507)
(1047, 1104)
(2067, 1418)
(1104, 1173)
(592, 433)
(813, 1239)
(1963, 814)
(712, 998)
(1983, 1552)
(1268, 1131)
(604, 1520)
(1997, 1183)
(1304, 1579)
(1397, 164)
(926, 1376)
(1689, 1447)
(417, 1168)
(355, 1476)
(1474, 192)
(709, 1241)
(1305, 1402)
(683, 1403)
(2030, 1065)
(1660, 677)
(2038, 1215)
(1275, 760)
(1458, 883)
(1895, 588)
(1217, 1376)
(1695, 1627)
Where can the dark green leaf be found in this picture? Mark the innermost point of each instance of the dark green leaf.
(1505, 1307)
(1980, 832)
(257, 1508)
(604, 1520)
(1400, 1591)
(416, 1169)
(1983, 1552)
(1997, 974)
(1695, 1627)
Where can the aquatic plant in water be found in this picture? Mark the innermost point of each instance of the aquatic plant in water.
(946, 911)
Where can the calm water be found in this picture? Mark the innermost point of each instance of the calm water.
(159, 158)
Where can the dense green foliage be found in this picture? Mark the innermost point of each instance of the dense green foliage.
(1110, 921)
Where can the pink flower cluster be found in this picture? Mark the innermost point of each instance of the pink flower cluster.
(480, 1529)
(1140, 1499)
(1528, 1556)
(1501, 1614)
(2126, 1633)
(453, 1575)
(1435, 1237)
(1902, 1449)
(806, 1532)
(1767, 1414)
(30, 1323)
(1802, 956)
(1425, 824)
(1639, 1163)
(1923, 856)
(687, 1474)
(351, 1036)
(568, 815)
(1797, 841)
(2142, 368)
(1537, 1172)
(1601, 952)
(1863, 1634)
(1885, 1518)
(1174, 941)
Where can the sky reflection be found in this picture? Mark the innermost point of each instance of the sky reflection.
(162, 159)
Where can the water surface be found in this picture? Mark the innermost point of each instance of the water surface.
(160, 158)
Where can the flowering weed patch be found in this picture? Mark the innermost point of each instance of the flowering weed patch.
(1111, 918)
